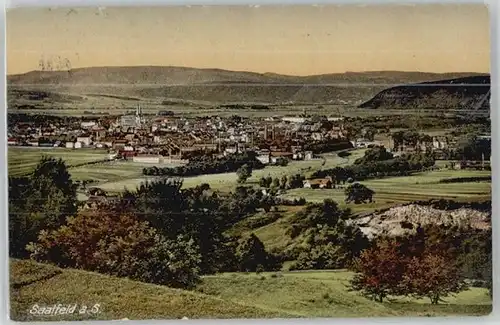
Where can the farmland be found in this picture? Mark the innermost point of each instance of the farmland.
(22, 160)
(395, 190)
(120, 175)
(228, 295)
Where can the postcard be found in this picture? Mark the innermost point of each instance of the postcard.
(214, 162)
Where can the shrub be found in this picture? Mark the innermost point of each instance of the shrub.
(121, 246)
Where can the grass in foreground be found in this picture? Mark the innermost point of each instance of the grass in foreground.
(232, 295)
(325, 294)
(45, 285)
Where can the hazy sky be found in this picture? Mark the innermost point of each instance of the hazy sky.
(298, 40)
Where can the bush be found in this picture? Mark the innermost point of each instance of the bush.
(121, 246)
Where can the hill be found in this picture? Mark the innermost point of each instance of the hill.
(469, 93)
(34, 283)
(282, 295)
(209, 85)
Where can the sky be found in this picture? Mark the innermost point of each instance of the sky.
(294, 40)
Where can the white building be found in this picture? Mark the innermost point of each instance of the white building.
(293, 119)
(70, 145)
(78, 145)
(148, 159)
(86, 141)
(89, 124)
(264, 158)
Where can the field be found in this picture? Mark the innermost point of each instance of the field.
(22, 160)
(421, 186)
(129, 175)
(267, 295)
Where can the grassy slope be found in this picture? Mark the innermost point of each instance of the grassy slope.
(304, 294)
(325, 294)
(45, 285)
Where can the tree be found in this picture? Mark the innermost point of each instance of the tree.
(42, 200)
(432, 276)
(252, 255)
(380, 271)
(244, 173)
(358, 193)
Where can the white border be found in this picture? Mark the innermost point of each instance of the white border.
(494, 7)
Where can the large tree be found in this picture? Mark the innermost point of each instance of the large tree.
(433, 276)
(380, 271)
(358, 193)
(43, 200)
(244, 173)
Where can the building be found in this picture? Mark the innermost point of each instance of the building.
(70, 145)
(318, 183)
(78, 145)
(293, 119)
(148, 159)
(85, 141)
(264, 157)
(88, 124)
(12, 142)
(280, 154)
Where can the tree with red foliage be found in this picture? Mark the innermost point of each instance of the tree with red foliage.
(433, 276)
(380, 270)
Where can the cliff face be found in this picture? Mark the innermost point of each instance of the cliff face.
(468, 93)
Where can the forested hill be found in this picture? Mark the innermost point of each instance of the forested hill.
(467, 93)
(208, 85)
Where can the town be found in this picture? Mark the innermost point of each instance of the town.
(165, 138)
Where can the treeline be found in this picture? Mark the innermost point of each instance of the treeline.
(159, 233)
(201, 165)
(285, 182)
(15, 118)
(378, 163)
(443, 204)
(428, 122)
(242, 106)
(466, 179)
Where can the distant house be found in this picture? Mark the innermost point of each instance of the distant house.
(12, 142)
(70, 145)
(318, 183)
(78, 145)
(85, 141)
(120, 143)
(33, 143)
(275, 155)
(88, 124)
(127, 155)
